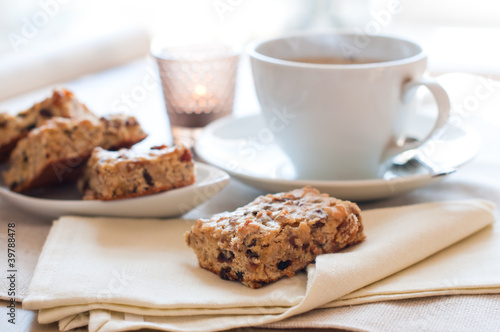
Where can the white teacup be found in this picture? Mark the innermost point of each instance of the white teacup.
(343, 121)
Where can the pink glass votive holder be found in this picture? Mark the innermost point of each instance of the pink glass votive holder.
(198, 86)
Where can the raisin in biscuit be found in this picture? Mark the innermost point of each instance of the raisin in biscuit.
(57, 150)
(275, 235)
(62, 103)
(126, 173)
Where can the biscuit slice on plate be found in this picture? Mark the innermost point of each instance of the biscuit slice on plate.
(62, 103)
(111, 175)
(275, 235)
(57, 150)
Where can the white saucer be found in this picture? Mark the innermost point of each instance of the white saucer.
(246, 150)
(66, 200)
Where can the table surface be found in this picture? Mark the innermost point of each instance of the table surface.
(109, 90)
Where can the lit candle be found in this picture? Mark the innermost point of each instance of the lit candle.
(198, 83)
(200, 96)
(200, 91)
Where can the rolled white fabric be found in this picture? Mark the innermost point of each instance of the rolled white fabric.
(26, 71)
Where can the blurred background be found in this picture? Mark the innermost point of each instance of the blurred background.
(458, 34)
(99, 48)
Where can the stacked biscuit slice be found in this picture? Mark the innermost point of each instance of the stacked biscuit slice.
(52, 142)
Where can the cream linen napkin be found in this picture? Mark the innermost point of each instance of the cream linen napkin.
(142, 271)
(468, 267)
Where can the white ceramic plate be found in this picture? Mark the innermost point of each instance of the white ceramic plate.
(246, 150)
(66, 200)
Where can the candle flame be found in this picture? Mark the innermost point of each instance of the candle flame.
(200, 90)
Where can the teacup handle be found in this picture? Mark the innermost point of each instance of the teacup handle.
(443, 103)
